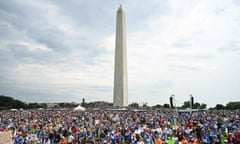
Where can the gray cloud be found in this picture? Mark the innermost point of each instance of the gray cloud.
(234, 46)
(32, 23)
(190, 56)
(162, 84)
(182, 44)
(186, 68)
(25, 21)
(50, 50)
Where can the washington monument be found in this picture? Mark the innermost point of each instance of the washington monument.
(120, 94)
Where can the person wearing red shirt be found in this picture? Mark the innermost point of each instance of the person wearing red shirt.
(237, 136)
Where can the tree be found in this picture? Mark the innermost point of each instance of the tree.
(145, 105)
(233, 105)
(196, 105)
(61, 104)
(219, 107)
(34, 105)
(186, 104)
(43, 105)
(158, 106)
(166, 105)
(134, 105)
(7, 102)
(203, 106)
(89, 105)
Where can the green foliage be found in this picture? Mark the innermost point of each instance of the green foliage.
(233, 105)
(186, 104)
(203, 106)
(33, 105)
(219, 107)
(196, 105)
(61, 104)
(7, 102)
(37, 105)
(158, 106)
(134, 105)
(229, 106)
(145, 105)
(10, 103)
(67, 105)
(166, 105)
(3, 108)
(88, 105)
(43, 105)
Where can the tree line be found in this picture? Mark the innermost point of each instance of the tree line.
(7, 102)
(229, 106)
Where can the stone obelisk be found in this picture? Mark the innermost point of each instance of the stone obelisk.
(120, 94)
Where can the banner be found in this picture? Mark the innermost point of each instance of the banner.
(6, 138)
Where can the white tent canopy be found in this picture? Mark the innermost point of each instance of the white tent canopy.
(79, 108)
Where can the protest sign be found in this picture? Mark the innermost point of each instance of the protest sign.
(6, 138)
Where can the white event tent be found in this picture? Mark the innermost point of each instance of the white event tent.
(79, 108)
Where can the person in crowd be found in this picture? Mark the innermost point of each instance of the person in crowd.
(205, 139)
(231, 138)
(70, 138)
(63, 140)
(157, 140)
(237, 136)
(18, 139)
(121, 127)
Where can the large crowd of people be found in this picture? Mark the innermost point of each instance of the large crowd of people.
(121, 127)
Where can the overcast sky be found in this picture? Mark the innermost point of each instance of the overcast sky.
(63, 51)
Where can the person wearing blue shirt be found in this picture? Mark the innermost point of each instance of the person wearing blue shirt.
(148, 139)
(205, 139)
(211, 134)
(113, 138)
(127, 136)
(19, 139)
